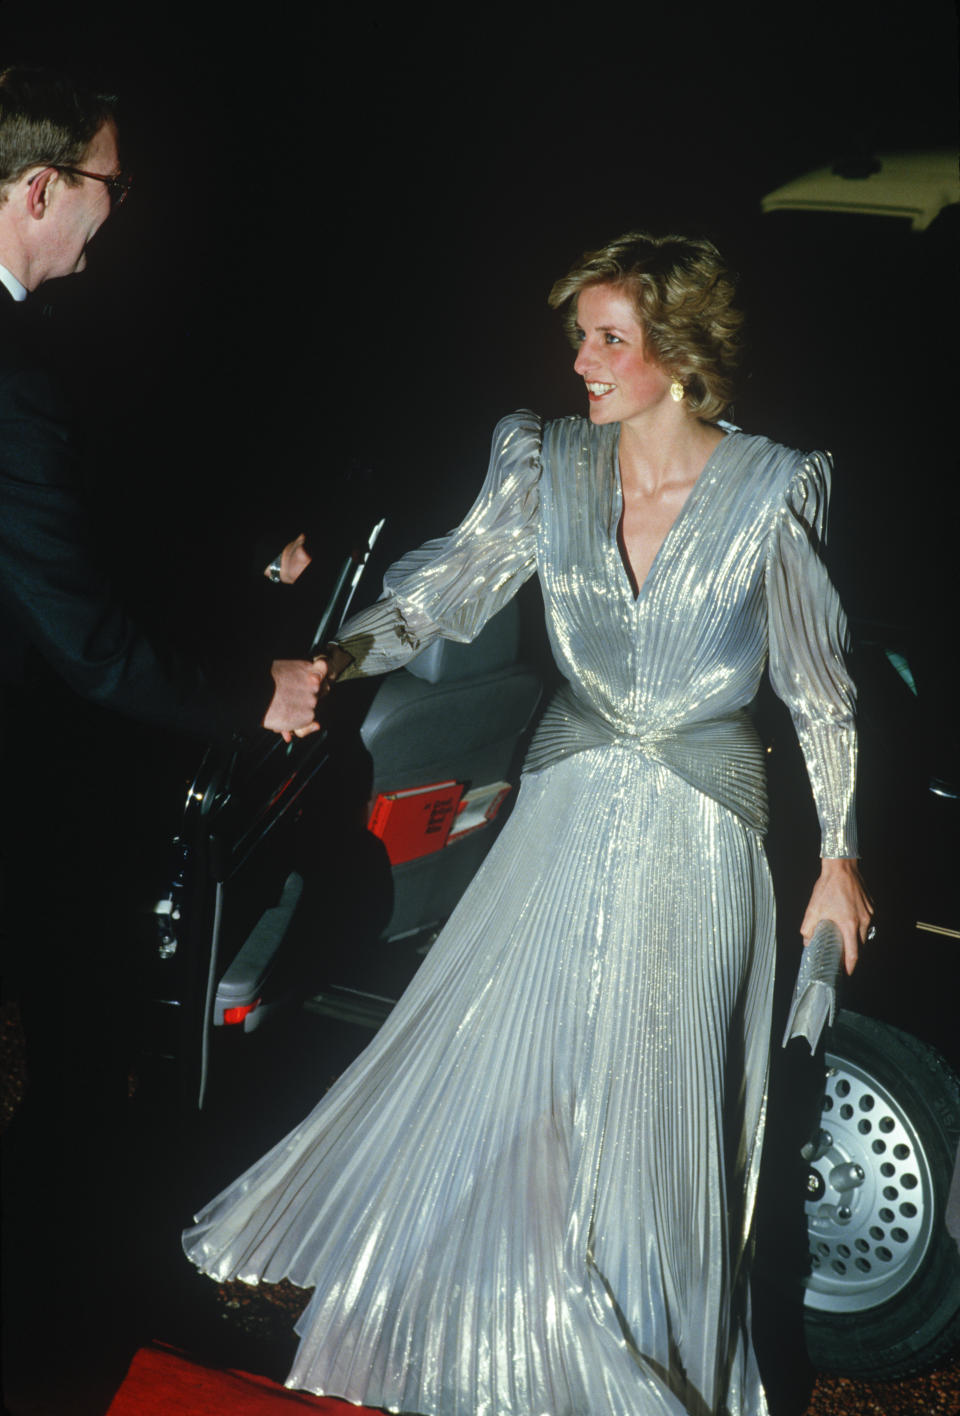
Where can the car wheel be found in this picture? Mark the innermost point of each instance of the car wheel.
(883, 1293)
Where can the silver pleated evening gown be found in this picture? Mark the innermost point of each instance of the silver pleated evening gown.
(532, 1193)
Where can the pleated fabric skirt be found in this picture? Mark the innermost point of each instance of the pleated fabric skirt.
(531, 1194)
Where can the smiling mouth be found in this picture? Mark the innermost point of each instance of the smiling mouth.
(599, 390)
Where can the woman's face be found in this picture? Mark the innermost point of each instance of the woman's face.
(622, 384)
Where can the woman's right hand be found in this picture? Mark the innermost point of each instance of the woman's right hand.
(334, 660)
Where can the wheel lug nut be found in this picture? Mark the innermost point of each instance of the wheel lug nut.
(814, 1150)
(846, 1177)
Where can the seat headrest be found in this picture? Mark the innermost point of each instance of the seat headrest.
(495, 647)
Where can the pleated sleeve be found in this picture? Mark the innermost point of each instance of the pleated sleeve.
(808, 639)
(451, 586)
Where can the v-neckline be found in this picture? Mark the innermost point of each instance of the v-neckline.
(620, 549)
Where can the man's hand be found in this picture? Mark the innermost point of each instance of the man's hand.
(294, 702)
(294, 559)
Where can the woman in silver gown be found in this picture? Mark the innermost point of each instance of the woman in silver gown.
(532, 1193)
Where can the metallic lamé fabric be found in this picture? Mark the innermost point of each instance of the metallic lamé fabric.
(532, 1193)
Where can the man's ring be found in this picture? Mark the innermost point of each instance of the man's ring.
(871, 932)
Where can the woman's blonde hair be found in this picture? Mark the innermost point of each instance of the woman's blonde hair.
(683, 296)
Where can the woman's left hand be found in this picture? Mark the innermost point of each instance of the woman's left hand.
(840, 895)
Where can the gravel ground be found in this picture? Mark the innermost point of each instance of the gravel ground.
(936, 1394)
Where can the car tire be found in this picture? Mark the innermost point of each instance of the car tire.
(882, 1296)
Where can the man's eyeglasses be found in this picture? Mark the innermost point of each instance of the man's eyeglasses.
(118, 186)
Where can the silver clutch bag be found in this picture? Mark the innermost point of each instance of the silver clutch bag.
(814, 1005)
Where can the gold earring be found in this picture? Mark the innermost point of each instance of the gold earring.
(677, 391)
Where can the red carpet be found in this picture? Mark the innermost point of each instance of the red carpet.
(163, 1382)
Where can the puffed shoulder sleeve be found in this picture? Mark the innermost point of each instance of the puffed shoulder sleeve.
(808, 640)
(451, 586)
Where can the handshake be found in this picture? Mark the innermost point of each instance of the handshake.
(299, 684)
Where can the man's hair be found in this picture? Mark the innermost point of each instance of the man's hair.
(684, 302)
(46, 120)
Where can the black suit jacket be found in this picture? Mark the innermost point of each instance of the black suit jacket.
(56, 595)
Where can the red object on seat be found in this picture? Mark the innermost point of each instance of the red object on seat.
(416, 821)
(164, 1382)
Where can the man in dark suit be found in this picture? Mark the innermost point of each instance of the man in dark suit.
(59, 177)
(69, 648)
(77, 827)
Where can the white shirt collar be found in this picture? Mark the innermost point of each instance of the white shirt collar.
(18, 291)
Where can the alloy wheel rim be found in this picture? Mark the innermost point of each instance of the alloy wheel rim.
(870, 1197)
